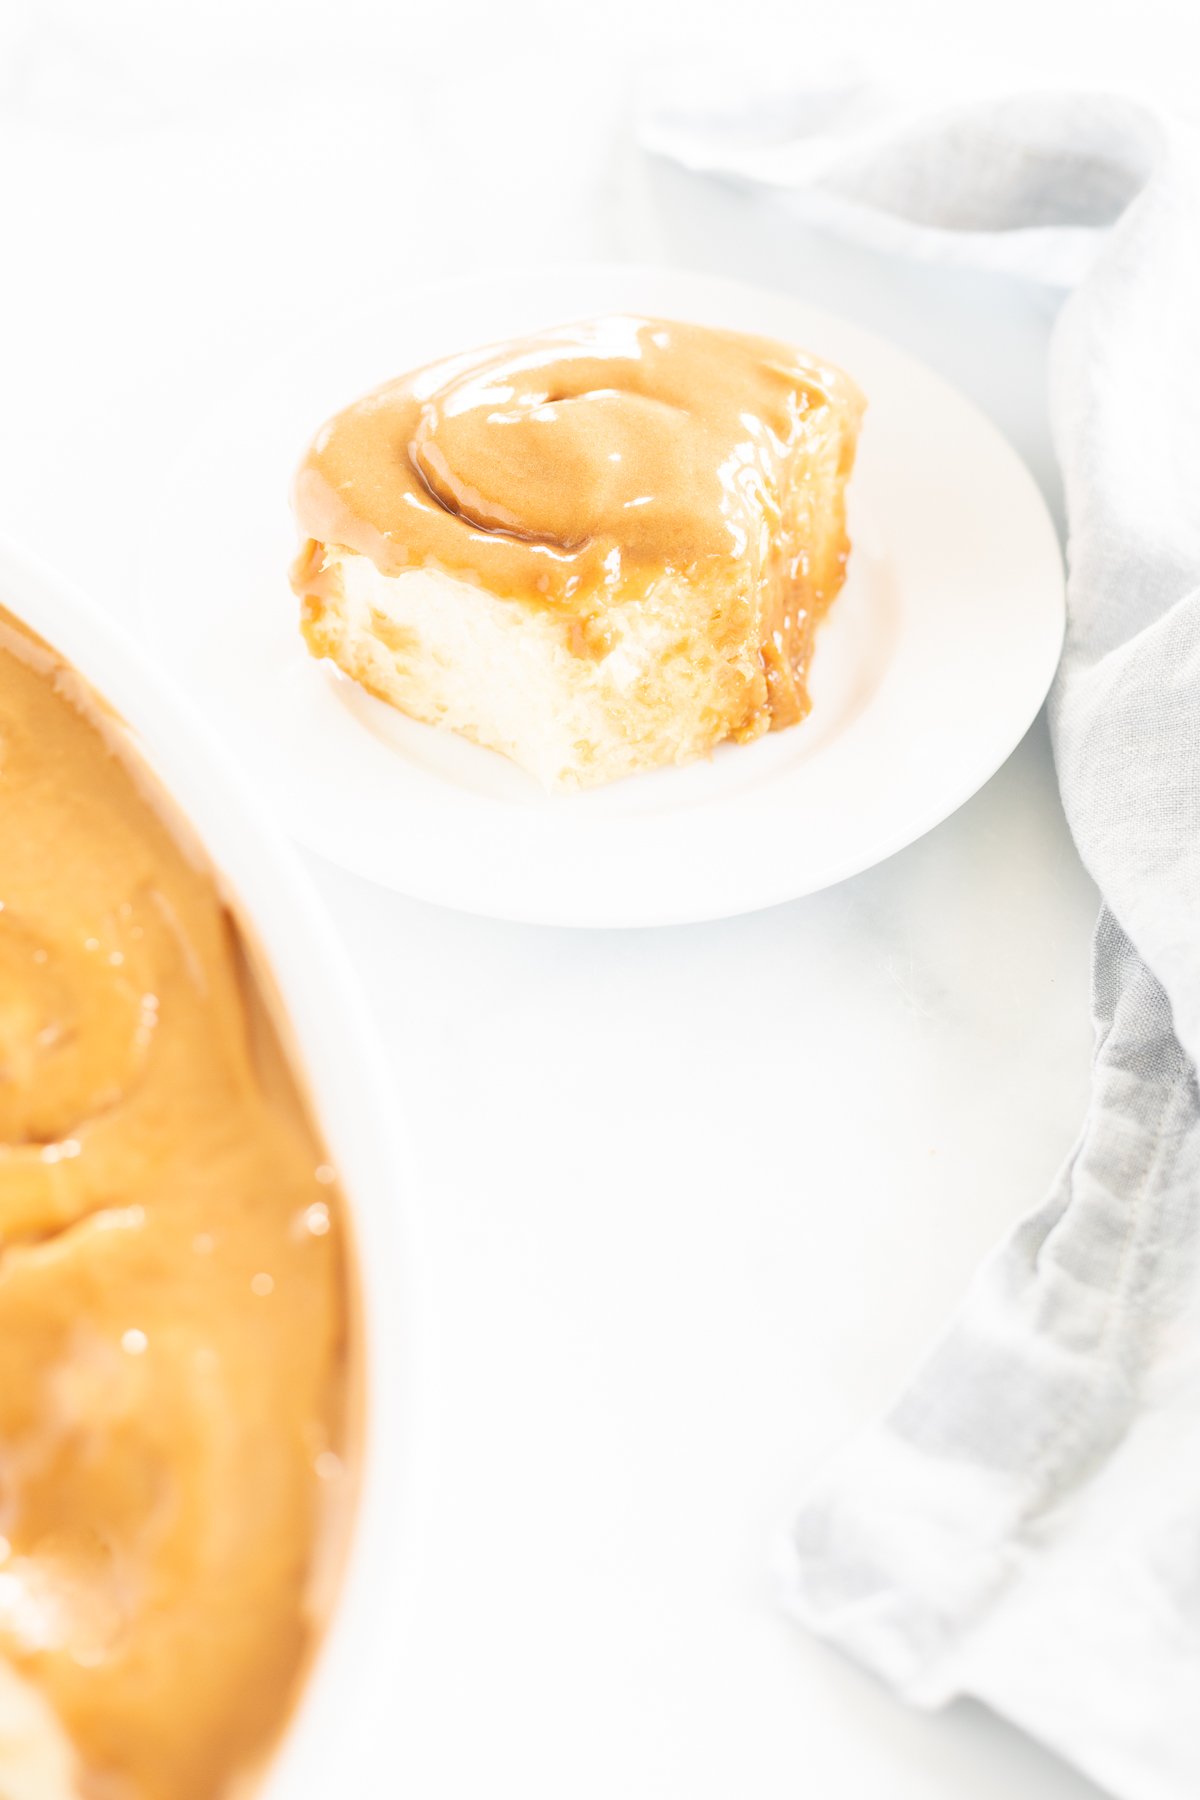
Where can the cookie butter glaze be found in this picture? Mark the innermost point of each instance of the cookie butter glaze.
(589, 459)
(173, 1312)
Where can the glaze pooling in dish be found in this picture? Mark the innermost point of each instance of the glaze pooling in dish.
(175, 1477)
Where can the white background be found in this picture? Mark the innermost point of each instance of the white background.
(686, 1204)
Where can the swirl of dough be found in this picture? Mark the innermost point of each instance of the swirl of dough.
(74, 1032)
(556, 466)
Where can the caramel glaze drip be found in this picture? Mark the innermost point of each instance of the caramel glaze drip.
(172, 1288)
(579, 466)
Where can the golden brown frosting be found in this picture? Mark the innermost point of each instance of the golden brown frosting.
(586, 460)
(173, 1310)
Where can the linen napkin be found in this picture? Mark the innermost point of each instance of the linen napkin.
(1024, 1525)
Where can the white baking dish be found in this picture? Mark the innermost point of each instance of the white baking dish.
(337, 1057)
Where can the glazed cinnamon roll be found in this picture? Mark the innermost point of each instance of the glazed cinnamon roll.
(596, 550)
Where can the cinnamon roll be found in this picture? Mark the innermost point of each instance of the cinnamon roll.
(597, 550)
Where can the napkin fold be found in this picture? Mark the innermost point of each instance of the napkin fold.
(1024, 1525)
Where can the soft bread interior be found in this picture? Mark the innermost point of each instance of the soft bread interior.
(682, 671)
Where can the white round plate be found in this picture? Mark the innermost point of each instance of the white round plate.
(927, 674)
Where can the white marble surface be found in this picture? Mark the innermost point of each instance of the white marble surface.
(687, 1203)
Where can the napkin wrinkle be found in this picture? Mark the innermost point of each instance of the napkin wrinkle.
(1023, 1524)
(1009, 168)
(1112, 729)
(910, 1544)
(999, 184)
